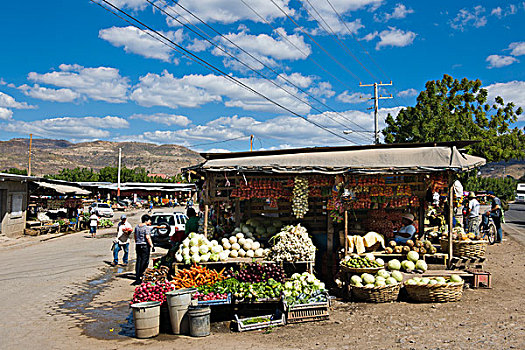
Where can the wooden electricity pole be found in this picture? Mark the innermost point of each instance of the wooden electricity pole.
(30, 146)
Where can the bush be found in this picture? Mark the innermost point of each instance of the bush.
(504, 188)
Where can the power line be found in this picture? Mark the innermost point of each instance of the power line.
(213, 68)
(353, 36)
(319, 45)
(293, 44)
(222, 141)
(256, 59)
(334, 35)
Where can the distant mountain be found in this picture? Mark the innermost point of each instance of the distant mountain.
(51, 156)
(514, 168)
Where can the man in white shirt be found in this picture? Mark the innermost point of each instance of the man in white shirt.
(124, 231)
(473, 218)
(93, 223)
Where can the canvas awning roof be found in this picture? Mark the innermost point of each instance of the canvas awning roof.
(413, 159)
(64, 189)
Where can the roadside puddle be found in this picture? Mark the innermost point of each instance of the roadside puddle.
(107, 321)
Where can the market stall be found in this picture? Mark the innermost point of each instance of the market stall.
(339, 210)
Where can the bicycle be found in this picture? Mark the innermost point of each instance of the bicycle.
(487, 228)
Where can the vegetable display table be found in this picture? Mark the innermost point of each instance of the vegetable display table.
(308, 265)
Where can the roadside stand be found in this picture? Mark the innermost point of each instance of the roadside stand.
(280, 229)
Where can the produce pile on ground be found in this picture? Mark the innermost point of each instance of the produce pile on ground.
(196, 276)
(421, 247)
(152, 292)
(257, 272)
(292, 244)
(412, 263)
(197, 248)
(300, 197)
(304, 288)
(423, 281)
(362, 262)
(380, 279)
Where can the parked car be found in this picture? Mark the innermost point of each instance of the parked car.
(172, 226)
(101, 209)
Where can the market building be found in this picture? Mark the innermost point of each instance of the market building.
(13, 204)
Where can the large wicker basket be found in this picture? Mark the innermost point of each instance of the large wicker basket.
(469, 249)
(382, 294)
(436, 293)
(359, 270)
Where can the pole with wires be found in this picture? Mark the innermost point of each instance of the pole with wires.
(30, 146)
(118, 174)
(376, 99)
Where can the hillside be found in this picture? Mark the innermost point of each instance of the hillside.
(50, 156)
(514, 168)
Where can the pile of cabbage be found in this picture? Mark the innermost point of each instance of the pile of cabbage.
(423, 281)
(259, 228)
(292, 244)
(196, 248)
(412, 263)
(380, 279)
(304, 288)
(238, 246)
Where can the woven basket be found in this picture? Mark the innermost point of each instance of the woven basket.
(382, 294)
(437, 293)
(469, 249)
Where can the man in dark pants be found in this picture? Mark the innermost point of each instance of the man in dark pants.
(143, 243)
(496, 214)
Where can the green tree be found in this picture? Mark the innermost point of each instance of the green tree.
(453, 110)
(15, 171)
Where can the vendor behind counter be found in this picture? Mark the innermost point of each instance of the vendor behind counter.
(407, 231)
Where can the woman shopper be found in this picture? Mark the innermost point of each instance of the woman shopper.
(93, 223)
(143, 243)
(122, 241)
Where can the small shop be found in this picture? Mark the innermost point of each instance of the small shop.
(283, 230)
(13, 204)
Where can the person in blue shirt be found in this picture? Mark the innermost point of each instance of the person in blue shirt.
(496, 214)
(407, 231)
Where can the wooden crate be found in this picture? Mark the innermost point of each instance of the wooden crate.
(480, 279)
(308, 312)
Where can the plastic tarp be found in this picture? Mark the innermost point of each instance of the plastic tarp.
(64, 189)
(384, 160)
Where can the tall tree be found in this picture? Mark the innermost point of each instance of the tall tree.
(452, 110)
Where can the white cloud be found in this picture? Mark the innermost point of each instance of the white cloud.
(355, 97)
(408, 93)
(395, 37)
(101, 83)
(136, 41)
(323, 89)
(227, 11)
(518, 48)
(10, 102)
(195, 90)
(81, 128)
(47, 94)
(303, 81)
(5, 114)
(497, 61)
(400, 11)
(472, 17)
(131, 4)
(513, 91)
(198, 45)
(164, 118)
(500, 13)
(370, 36)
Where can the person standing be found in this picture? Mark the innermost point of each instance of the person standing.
(496, 214)
(473, 219)
(143, 243)
(93, 223)
(192, 225)
(124, 231)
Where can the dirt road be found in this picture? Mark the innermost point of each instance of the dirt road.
(47, 303)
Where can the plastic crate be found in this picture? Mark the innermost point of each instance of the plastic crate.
(308, 312)
(243, 327)
(228, 300)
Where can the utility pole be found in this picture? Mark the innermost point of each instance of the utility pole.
(251, 143)
(118, 174)
(376, 99)
(30, 146)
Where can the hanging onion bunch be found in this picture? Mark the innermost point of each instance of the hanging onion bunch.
(292, 244)
(300, 197)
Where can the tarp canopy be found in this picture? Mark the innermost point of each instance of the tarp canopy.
(373, 160)
(64, 189)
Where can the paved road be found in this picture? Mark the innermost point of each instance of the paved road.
(515, 222)
(36, 276)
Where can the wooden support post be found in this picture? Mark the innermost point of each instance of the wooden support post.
(450, 217)
(237, 212)
(206, 213)
(346, 232)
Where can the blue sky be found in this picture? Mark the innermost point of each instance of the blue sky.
(71, 70)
